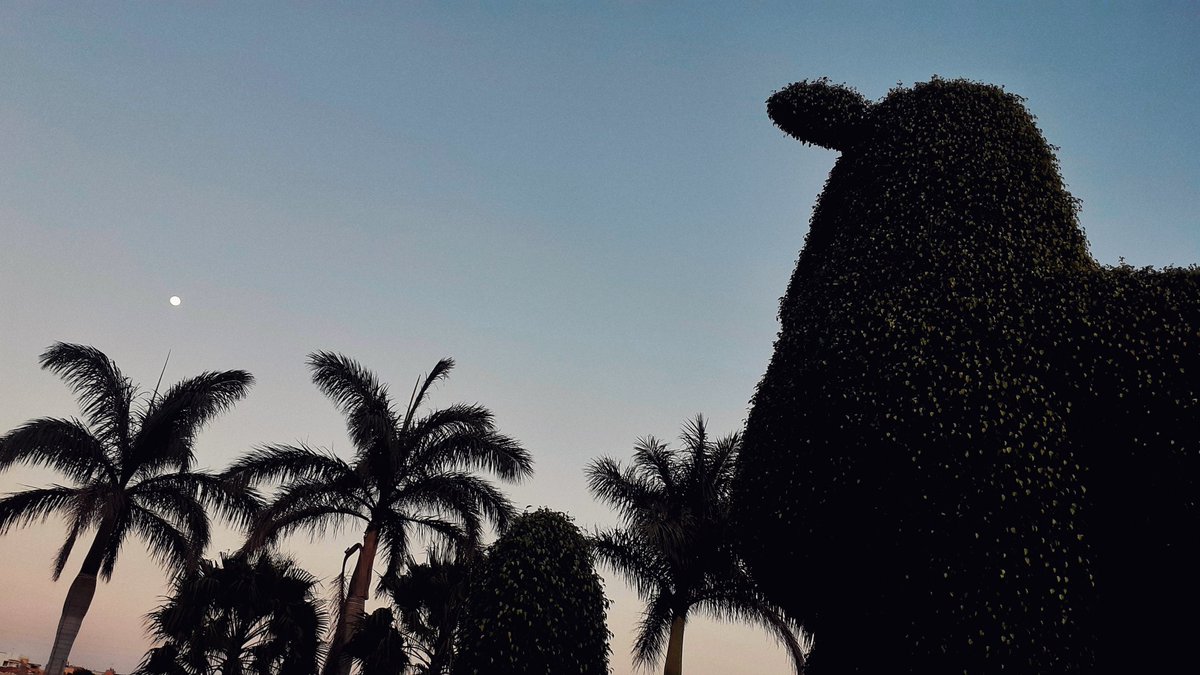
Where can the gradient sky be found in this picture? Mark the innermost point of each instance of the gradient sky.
(584, 204)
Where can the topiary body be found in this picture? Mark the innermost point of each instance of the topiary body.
(972, 442)
(536, 605)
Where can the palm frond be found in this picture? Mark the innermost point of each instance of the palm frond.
(83, 515)
(695, 448)
(738, 601)
(656, 462)
(163, 660)
(104, 393)
(627, 490)
(174, 498)
(234, 503)
(440, 371)
(461, 495)
(287, 463)
(356, 392)
(63, 445)
(169, 424)
(168, 545)
(345, 493)
(371, 430)
(694, 434)
(394, 540)
(64, 551)
(455, 418)
(114, 529)
(489, 451)
(34, 506)
(456, 534)
(723, 458)
(642, 566)
(653, 630)
(318, 520)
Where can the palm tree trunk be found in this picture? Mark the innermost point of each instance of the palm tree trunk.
(337, 662)
(79, 598)
(675, 646)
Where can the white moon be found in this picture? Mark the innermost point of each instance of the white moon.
(175, 300)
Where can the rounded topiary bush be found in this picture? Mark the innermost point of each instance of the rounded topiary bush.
(974, 449)
(536, 604)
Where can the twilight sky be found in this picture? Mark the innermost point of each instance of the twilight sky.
(583, 203)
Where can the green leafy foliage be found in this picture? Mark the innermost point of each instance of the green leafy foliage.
(819, 114)
(536, 604)
(974, 447)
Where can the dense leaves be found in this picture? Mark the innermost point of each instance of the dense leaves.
(536, 605)
(819, 114)
(977, 446)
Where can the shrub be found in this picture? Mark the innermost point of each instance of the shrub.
(536, 604)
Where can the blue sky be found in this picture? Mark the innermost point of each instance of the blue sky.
(583, 203)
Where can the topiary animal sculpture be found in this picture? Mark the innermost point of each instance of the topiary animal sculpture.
(975, 449)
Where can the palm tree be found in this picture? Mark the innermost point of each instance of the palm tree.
(131, 465)
(675, 547)
(410, 475)
(251, 615)
(428, 598)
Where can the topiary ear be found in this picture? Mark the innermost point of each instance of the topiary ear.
(820, 113)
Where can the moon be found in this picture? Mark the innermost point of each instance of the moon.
(175, 300)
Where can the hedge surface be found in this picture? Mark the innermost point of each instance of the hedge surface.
(975, 450)
(536, 605)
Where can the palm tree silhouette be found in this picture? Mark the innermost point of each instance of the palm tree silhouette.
(429, 599)
(254, 614)
(675, 547)
(131, 465)
(410, 475)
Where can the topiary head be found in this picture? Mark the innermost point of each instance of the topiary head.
(819, 113)
(944, 172)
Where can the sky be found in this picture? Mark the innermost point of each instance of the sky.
(584, 204)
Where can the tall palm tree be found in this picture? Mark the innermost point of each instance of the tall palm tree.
(675, 546)
(131, 465)
(411, 474)
(254, 614)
